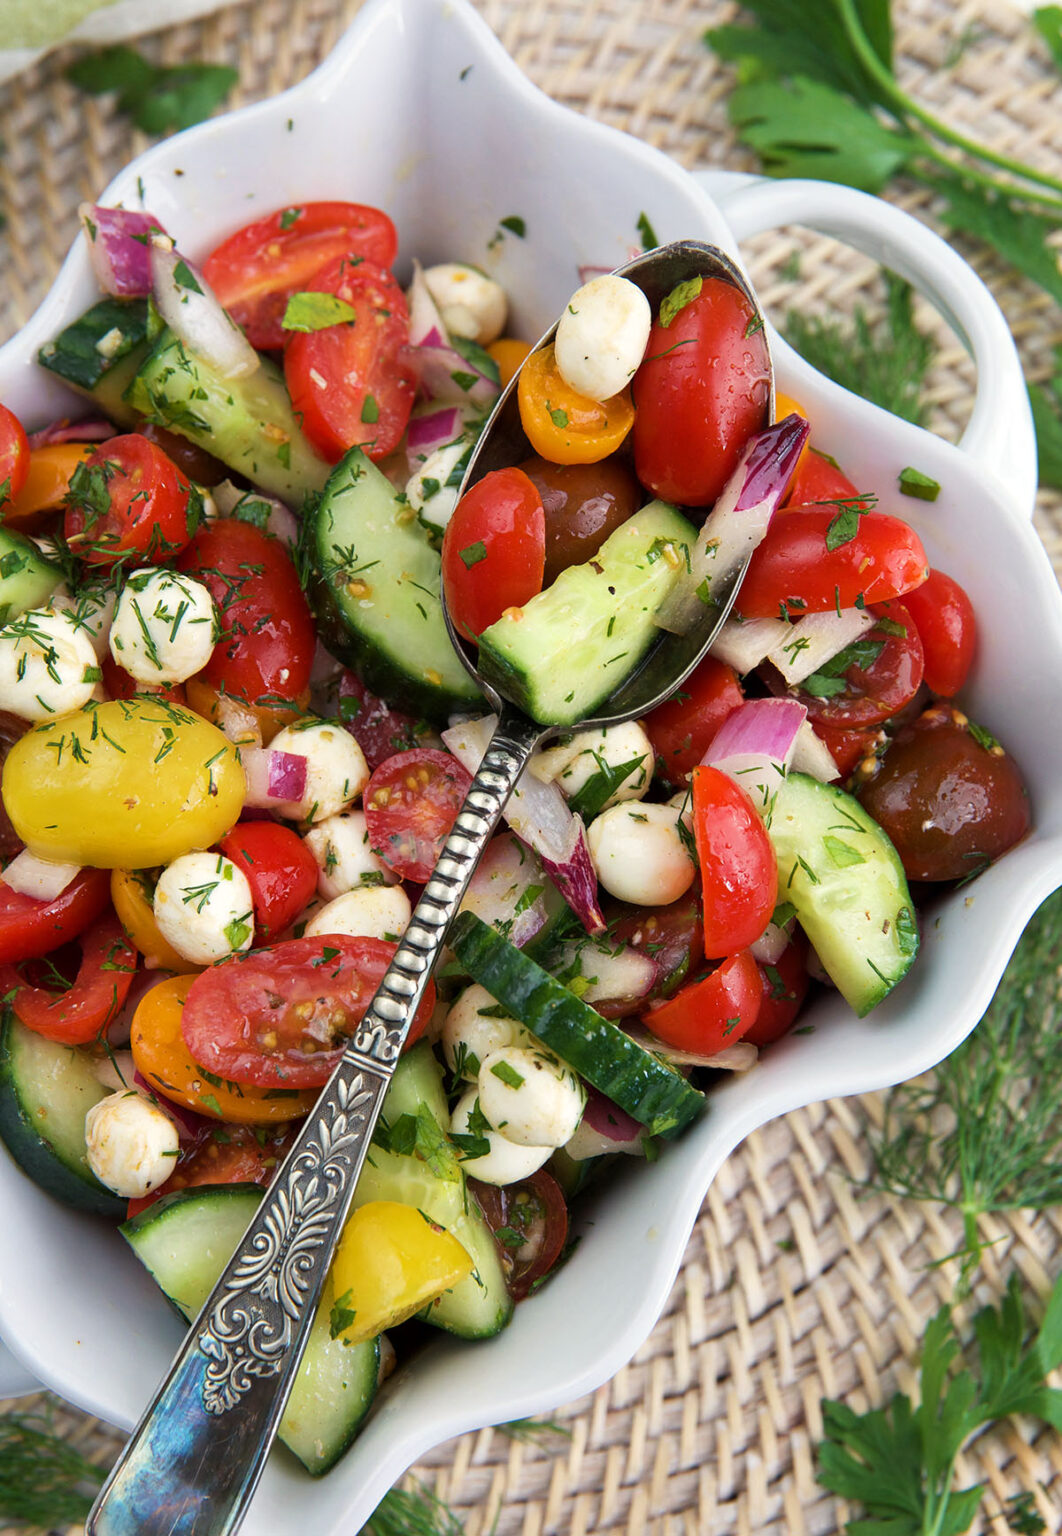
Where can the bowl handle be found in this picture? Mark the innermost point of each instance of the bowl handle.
(999, 434)
(15, 1380)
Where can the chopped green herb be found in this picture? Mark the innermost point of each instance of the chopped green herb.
(157, 99)
(914, 483)
(507, 1074)
(676, 301)
(647, 232)
(341, 1316)
(472, 554)
(316, 312)
(515, 225)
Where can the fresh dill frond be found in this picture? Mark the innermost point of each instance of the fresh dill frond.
(412, 1511)
(533, 1431)
(983, 1131)
(884, 361)
(43, 1480)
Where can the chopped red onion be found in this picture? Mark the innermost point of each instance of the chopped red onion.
(444, 375)
(816, 639)
(499, 886)
(732, 1058)
(754, 746)
(586, 272)
(812, 756)
(119, 242)
(274, 778)
(426, 328)
(622, 977)
(193, 312)
(602, 1115)
(738, 521)
(771, 944)
(426, 433)
(743, 643)
(91, 430)
(538, 813)
(42, 879)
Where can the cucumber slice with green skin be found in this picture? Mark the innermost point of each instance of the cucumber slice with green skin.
(247, 423)
(640, 1083)
(376, 593)
(27, 579)
(417, 1080)
(89, 350)
(185, 1240)
(46, 1090)
(567, 650)
(845, 880)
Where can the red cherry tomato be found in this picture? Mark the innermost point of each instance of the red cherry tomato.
(351, 383)
(494, 550)
(379, 730)
(411, 803)
(30, 928)
(820, 478)
(281, 1017)
(712, 1012)
(785, 985)
(255, 271)
(673, 936)
(849, 748)
(127, 499)
(14, 455)
(228, 1154)
(875, 692)
(739, 871)
(795, 571)
(534, 1210)
(78, 1014)
(119, 684)
(947, 628)
(268, 637)
(280, 869)
(700, 394)
(681, 730)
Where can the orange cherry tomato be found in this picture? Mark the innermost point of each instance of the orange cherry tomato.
(162, 1058)
(243, 723)
(130, 894)
(566, 427)
(785, 405)
(47, 480)
(508, 354)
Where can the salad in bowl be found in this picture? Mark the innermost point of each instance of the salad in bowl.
(238, 735)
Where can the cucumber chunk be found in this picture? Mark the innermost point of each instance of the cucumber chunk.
(247, 423)
(27, 579)
(417, 1080)
(185, 1240)
(567, 650)
(376, 593)
(46, 1090)
(100, 352)
(845, 880)
(640, 1083)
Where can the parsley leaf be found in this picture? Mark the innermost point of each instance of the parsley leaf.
(913, 482)
(676, 301)
(316, 312)
(155, 98)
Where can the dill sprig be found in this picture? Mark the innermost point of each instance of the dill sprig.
(533, 1431)
(43, 1480)
(983, 1132)
(412, 1511)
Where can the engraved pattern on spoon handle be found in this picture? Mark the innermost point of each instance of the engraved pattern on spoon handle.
(197, 1454)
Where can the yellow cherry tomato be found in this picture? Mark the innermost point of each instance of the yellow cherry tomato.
(508, 353)
(391, 1261)
(785, 405)
(132, 902)
(47, 482)
(123, 785)
(246, 724)
(563, 426)
(162, 1058)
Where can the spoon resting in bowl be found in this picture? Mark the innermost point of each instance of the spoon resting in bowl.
(194, 1459)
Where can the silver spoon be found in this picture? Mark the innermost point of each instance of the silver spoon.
(195, 1458)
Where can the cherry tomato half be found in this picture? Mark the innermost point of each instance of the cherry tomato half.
(739, 871)
(494, 550)
(77, 1014)
(411, 803)
(888, 681)
(673, 936)
(281, 1017)
(820, 478)
(379, 730)
(351, 383)
(850, 747)
(132, 891)
(700, 394)
(947, 628)
(267, 635)
(255, 271)
(562, 425)
(14, 455)
(280, 869)
(233, 1154)
(785, 985)
(46, 484)
(713, 1011)
(127, 499)
(795, 571)
(681, 730)
(29, 928)
(530, 1222)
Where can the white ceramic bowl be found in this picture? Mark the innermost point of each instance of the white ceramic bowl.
(420, 111)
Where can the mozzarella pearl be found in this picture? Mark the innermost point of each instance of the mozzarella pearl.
(505, 1162)
(469, 1034)
(340, 844)
(370, 912)
(469, 303)
(601, 336)
(530, 1096)
(610, 749)
(165, 627)
(336, 770)
(638, 854)
(427, 491)
(47, 665)
(203, 907)
(93, 610)
(131, 1143)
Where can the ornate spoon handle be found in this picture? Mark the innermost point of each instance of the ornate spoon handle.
(195, 1458)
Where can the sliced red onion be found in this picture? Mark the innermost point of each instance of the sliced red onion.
(816, 639)
(92, 430)
(119, 243)
(538, 813)
(426, 433)
(276, 518)
(274, 779)
(754, 745)
(771, 944)
(732, 1058)
(743, 643)
(602, 1115)
(586, 272)
(738, 521)
(192, 311)
(507, 873)
(445, 376)
(619, 977)
(812, 756)
(40, 878)
(426, 328)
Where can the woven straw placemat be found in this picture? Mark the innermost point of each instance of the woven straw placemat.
(796, 1284)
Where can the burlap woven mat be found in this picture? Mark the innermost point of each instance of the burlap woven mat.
(796, 1285)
